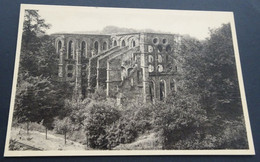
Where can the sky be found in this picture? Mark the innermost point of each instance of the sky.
(74, 19)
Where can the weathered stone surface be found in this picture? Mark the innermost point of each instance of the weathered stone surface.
(134, 66)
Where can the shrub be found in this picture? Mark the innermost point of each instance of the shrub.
(99, 117)
(121, 132)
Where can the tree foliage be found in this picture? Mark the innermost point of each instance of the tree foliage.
(38, 96)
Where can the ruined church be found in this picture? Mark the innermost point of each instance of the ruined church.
(135, 66)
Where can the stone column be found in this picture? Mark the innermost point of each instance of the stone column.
(61, 62)
(97, 86)
(144, 66)
(108, 79)
(78, 72)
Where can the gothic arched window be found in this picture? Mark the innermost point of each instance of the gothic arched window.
(162, 90)
(105, 46)
(96, 46)
(133, 43)
(70, 50)
(123, 43)
(115, 43)
(59, 46)
(83, 48)
(151, 90)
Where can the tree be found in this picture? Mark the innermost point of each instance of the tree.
(33, 27)
(100, 116)
(220, 70)
(63, 126)
(35, 101)
(39, 97)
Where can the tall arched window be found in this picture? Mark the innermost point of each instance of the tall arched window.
(115, 43)
(151, 90)
(96, 46)
(123, 43)
(133, 43)
(83, 49)
(70, 50)
(162, 90)
(59, 46)
(105, 46)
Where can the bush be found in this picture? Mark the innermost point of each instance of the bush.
(99, 117)
(177, 121)
(122, 132)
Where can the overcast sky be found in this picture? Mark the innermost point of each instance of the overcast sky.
(72, 19)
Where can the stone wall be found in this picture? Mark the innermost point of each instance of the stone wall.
(136, 66)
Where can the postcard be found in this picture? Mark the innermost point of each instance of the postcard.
(96, 81)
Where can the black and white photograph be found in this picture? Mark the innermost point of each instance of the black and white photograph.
(120, 81)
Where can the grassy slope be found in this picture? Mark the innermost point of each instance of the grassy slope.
(37, 139)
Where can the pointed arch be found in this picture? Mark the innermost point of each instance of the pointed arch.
(115, 43)
(133, 43)
(59, 46)
(152, 90)
(70, 49)
(162, 89)
(123, 43)
(96, 46)
(83, 49)
(104, 46)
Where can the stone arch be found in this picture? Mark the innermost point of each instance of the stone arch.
(115, 43)
(123, 44)
(162, 88)
(152, 90)
(133, 41)
(70, 49)
(96, 47)
(57, 44)
(83, 48)
(104, 46)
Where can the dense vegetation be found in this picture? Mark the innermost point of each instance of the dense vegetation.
(205, 112)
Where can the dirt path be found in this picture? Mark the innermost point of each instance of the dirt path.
(37, 139)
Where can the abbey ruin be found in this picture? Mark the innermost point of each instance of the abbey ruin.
(135, 66)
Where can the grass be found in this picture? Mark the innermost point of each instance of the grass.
(38, 140)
